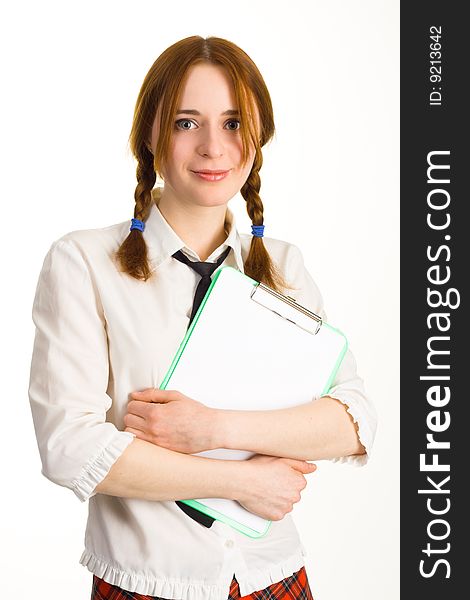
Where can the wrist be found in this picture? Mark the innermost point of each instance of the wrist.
(238, 482)
(219, 429)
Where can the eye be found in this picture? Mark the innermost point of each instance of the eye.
(184, 124)
(235, 122)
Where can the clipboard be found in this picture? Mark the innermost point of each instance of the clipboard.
(264, 352)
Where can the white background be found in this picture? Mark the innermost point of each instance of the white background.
(71, 72)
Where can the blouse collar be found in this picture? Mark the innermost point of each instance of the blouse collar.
(162, 241)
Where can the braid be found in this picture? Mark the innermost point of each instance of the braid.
(258, 264)
(132, 253)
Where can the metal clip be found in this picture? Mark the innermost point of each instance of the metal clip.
(289, 310)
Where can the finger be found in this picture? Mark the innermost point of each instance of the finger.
(302, 466)
(309, 468)
(140, 434)
(134, 421)
(147, 395)
(154, 395)
(139, 408)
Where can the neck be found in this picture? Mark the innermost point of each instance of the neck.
(202, 228)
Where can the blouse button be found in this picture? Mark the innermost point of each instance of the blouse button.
(229, 544)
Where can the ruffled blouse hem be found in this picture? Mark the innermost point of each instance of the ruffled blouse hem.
(183, 590)
(259, 580)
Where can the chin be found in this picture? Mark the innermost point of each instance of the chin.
(213, 198)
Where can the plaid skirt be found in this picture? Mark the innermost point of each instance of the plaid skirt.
(295, 587)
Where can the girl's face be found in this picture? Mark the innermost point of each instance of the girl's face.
(204, 159)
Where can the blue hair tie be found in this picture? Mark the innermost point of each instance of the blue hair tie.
(257, 230)
(137, 224)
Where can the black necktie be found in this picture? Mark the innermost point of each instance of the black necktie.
(205, 269)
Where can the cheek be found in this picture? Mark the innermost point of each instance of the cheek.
(237, 152)
(175, 159)
(247, 168)
(180, 151)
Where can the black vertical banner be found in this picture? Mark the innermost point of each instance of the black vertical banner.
(435, 328)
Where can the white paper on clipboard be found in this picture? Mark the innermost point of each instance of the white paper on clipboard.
(263, 352)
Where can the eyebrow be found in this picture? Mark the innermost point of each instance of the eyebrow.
(191, 111)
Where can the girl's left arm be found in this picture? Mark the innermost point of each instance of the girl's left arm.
(339, 425)
(322, 429)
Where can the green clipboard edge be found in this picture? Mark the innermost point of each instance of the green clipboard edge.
(327, 387)
(220, 517)
(194, 503)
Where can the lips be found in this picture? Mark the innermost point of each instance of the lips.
(211, 172)
(211, 175)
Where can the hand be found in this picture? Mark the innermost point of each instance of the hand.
(171, 420)
(271, 485)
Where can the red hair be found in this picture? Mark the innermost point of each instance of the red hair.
(161, 89)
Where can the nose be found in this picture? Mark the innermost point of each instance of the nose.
(211, 142)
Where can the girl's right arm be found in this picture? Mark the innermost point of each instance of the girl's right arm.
(268, 486)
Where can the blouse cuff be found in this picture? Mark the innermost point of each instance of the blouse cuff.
(97, 469)
(364, 432)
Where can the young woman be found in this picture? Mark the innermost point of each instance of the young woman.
(111, 308)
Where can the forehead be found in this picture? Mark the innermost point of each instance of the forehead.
(203, 78)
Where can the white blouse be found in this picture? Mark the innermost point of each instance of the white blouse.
(100, 335)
